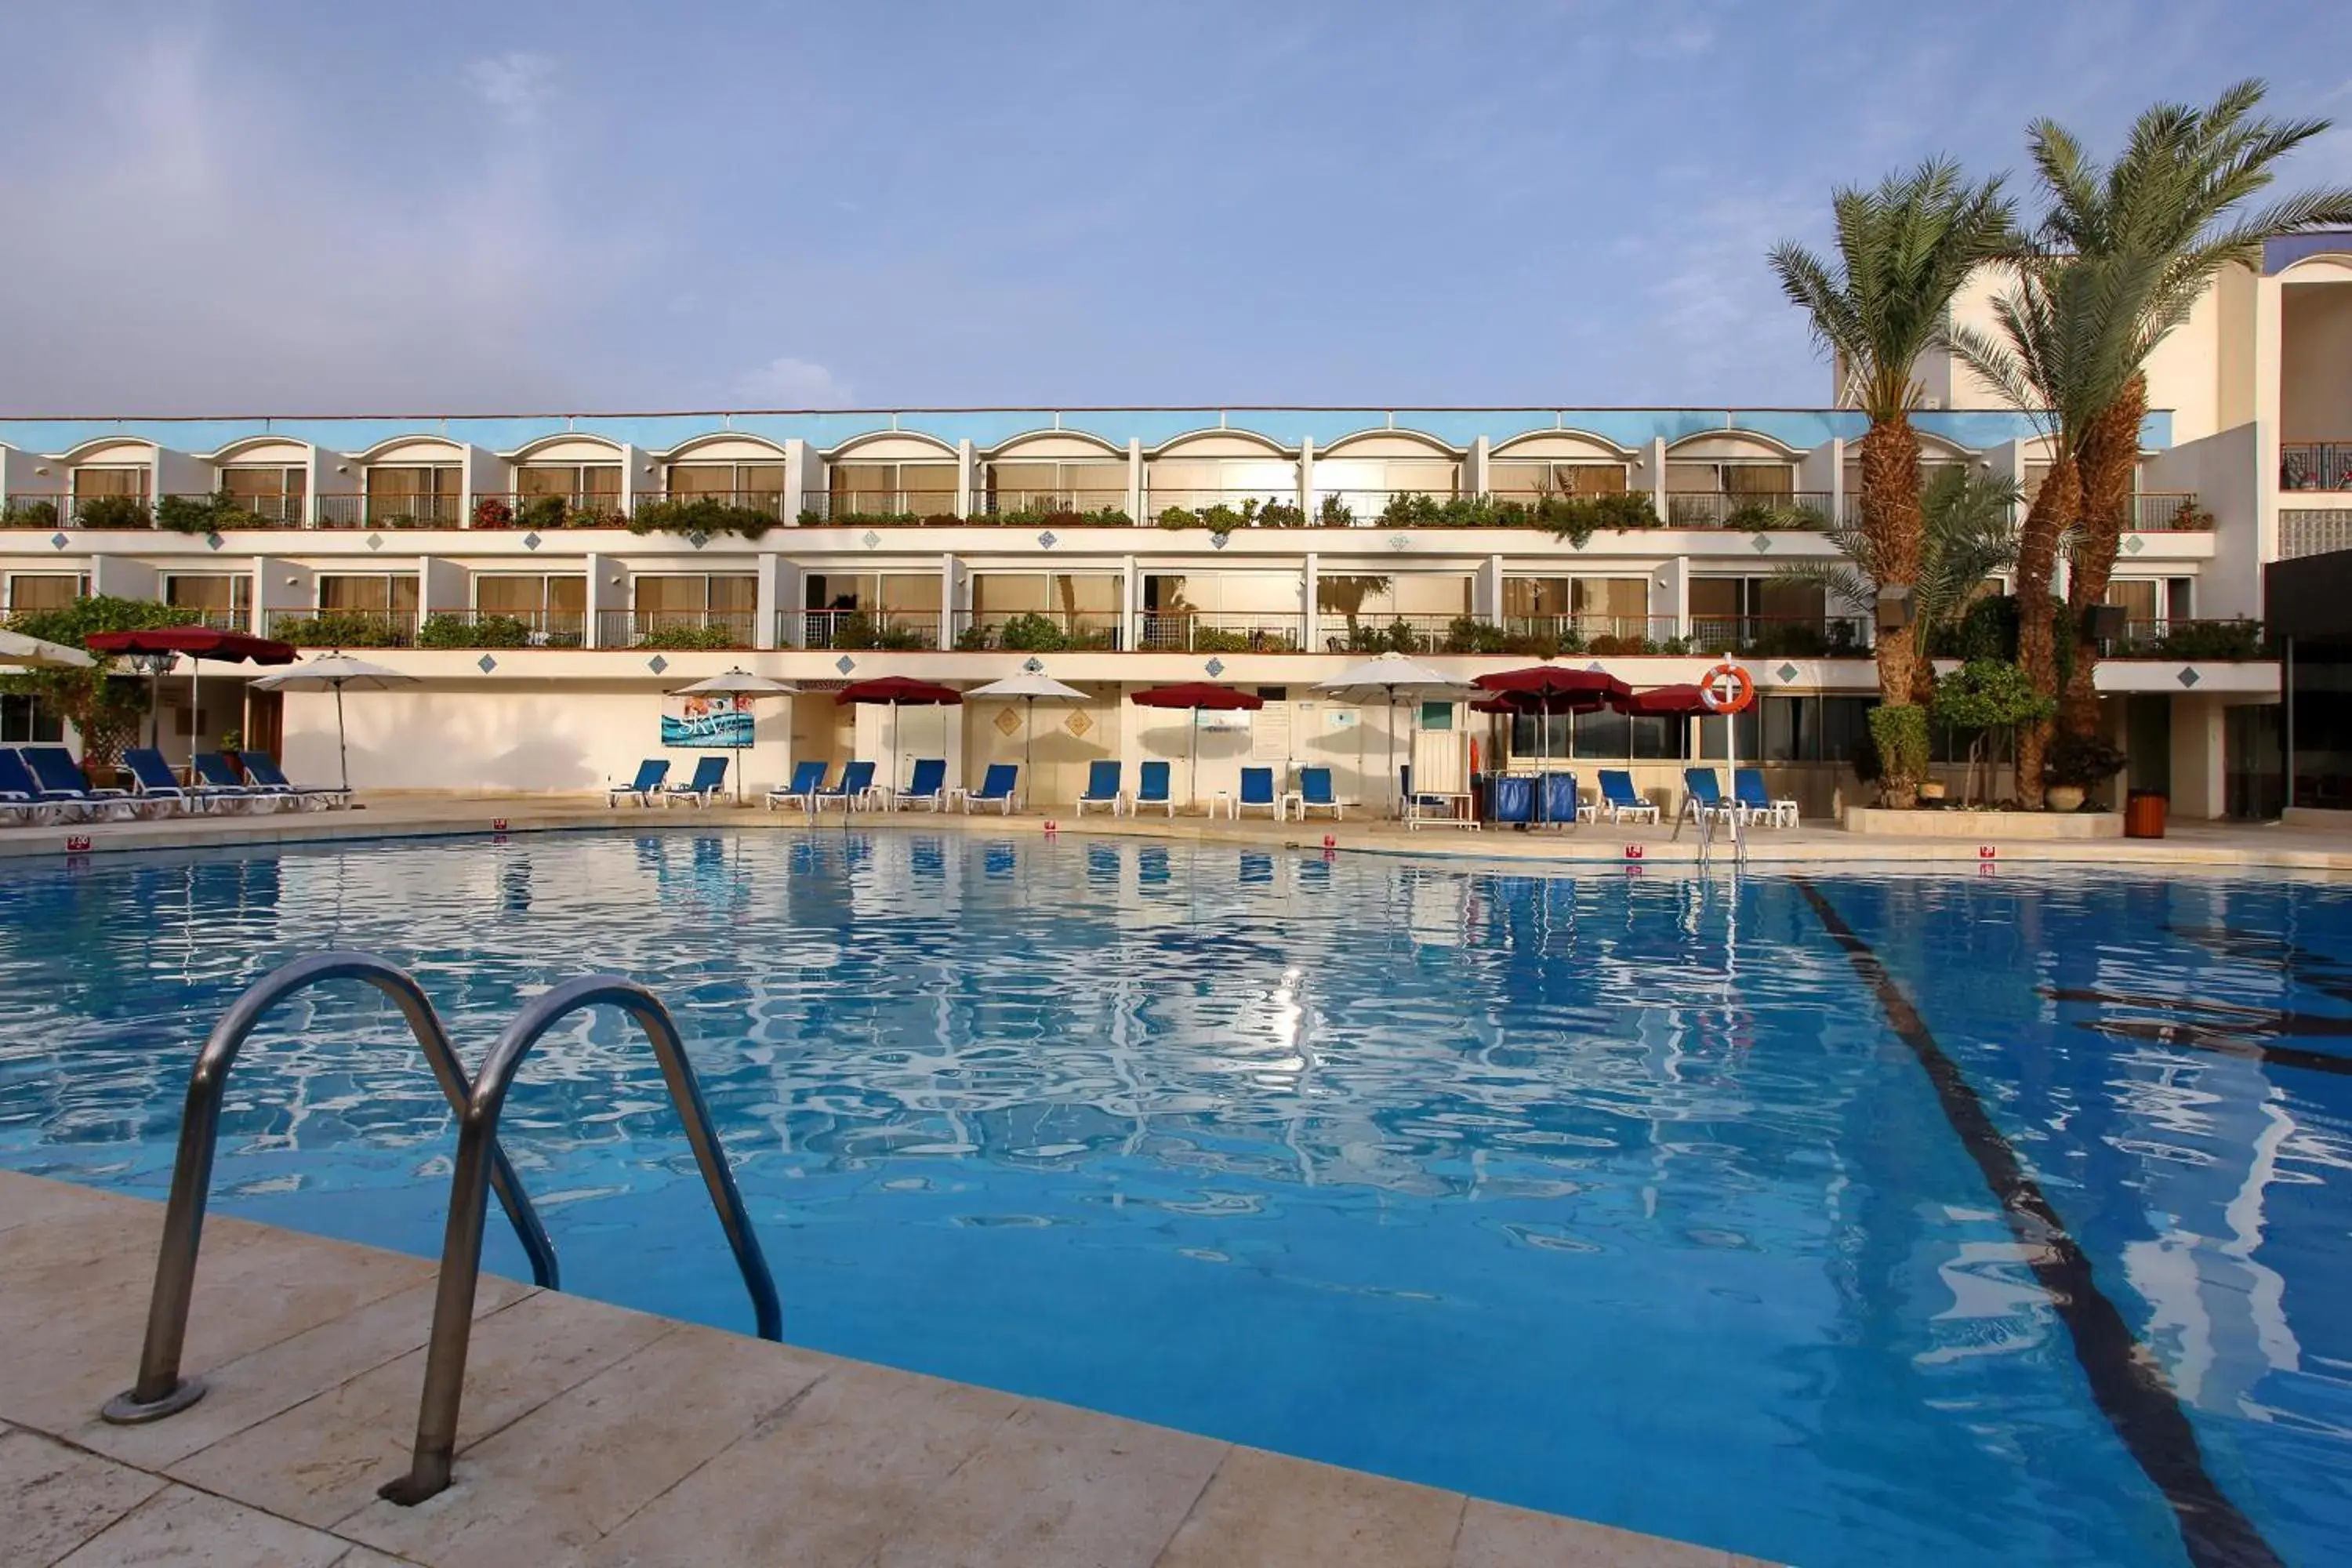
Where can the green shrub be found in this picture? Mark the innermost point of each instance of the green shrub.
(341, 628)
(205, 514)
(1333, 513)
(687, 637)
(32, 514)
(1176, 517)
(2212, 640)
(1214, 640)
(1898, 733)
(1031, 633)
(708, 516)
(476, 631)
(113, 512)
(2084, 761)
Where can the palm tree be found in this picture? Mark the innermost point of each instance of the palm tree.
(1969, 531)
(2172, 197)
(2069, 334)
(1903, 251)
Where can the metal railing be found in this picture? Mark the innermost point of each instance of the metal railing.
(2315, 465)
(543, 512)
(900, 630)
(161, 1391)
(1038, 631)
(767, 502)
(2180, 637)
(2167, 512)
(1589, 632)
(1790, 636)
(1082, 503)
(843, 505)
(341, 628)
(214, 620)
(1720, 508)
(1158, 500)
(479, 628)
(1213, 631)
(676, 629)
(390, 512)
(476, 1171)
(1382, 631)
(1372, 508)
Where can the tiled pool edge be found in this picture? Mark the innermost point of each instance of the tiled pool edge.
(599, 1435)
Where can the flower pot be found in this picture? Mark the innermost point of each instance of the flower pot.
(1932, 790)
(2063, 797)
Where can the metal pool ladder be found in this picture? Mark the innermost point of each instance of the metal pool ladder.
(481, 1167)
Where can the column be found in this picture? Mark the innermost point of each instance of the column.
(766, 603)
(946, 601)
(1135, 482)
(1473, 468)
(1307, 477)
(964, 466)
(1311, 591)
(1131, 616)
(591, 634)
(1489, 606)
(1654, 459)
(796, 480)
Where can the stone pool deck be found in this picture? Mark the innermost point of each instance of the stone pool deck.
(2300, 847)
(600, 1437)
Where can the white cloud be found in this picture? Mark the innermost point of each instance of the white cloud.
(518, 85)
(788, 383)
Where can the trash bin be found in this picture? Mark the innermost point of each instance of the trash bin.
(2144, 814)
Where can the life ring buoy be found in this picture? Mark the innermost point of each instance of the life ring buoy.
(1726, 688)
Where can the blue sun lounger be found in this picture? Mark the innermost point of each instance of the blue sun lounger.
(1102, 788)
(996, 789)
(709, 774)
(156, 786)
(21, 795)
(61, 781)
(1151, 789)
(1751, 796)
(855, 788)
(216, 781)
(1621, 800)
(1257, 793)
(1314, 795)
(928, 787)
(650, 774)
(808, 777)
(262, 772)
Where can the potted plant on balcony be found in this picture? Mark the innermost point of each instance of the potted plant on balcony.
(492, 511)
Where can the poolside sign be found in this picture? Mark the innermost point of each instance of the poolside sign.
(76, 843)
(707, 721)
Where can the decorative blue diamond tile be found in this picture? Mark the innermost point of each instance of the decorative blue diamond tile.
(1400, 541)
(1787, 672)
(59, 540)
(657, 664)
(1219, 540)
(1046, 539)
(531, 541)
(375, 542)
(1032, 666)
(871, 539)
(1594, 667)
(214, 539)
(1578, 543)
(1761, 545)
(1215, 666)
(486, 664)
(2135, 545)
(2188, 678)
(845, 664)
(697, 538)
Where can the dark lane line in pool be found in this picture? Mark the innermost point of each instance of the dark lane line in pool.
(2222, 1027)
(2125, 1382)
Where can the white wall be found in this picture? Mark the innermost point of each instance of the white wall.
(2222, 469)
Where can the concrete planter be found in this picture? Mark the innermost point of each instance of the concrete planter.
(1985, 826)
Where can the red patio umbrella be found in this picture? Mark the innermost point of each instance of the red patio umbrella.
(1546, 688)
(199, 643)
(1196, 695)
(897, 691)
(1662, 701)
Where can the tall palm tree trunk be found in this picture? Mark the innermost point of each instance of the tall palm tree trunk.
(2054, 511)
(2110, 463)
(1891, 520)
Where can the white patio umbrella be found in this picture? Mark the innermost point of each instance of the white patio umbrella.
(332, 672)
(741, 683)
(20, 652)
(1028, 686)
(1386, 678)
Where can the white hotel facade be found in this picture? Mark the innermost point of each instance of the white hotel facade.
(492, 558)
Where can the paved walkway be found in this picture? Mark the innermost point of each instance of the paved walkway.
(2229, 845)
(598, 1437)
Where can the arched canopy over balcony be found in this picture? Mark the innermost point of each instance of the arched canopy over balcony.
(894, 474)
(1054, 471)
(409, 482)
(569, 480)
(1721, 477)
(1557, 462)
(267, 477)
(1365, 477)
(728, 468)
(2314, 393)
(112, 482)
(1207, 469)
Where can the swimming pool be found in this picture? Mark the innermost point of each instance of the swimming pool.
(1641, 1198)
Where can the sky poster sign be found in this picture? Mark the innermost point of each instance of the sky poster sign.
(706, 724)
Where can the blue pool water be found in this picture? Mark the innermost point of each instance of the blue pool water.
(1616, 1196)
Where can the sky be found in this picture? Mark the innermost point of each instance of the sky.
(592, 207)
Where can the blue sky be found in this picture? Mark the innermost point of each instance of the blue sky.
(425, 207)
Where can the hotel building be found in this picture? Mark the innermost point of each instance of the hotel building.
(548, 579)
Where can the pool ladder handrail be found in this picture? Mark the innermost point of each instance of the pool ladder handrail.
(161, 1391)
(477, 1154)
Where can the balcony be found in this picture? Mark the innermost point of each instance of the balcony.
(342, 628)
(1054, 509)
(676, 630)
(1219, 631)
(1751, 513)
(905, 631)
(2221, 641)
(502, 628)
(390, 512)
(1222, 510)
(2315, 465)
(210, 619)
(2168, 512)
(1780, 636)
(851, 509)
(1545, 637)
(546, 513)
(1038, 631)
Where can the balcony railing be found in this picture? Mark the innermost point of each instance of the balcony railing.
(1381, 631)
(2168, 512)
(1038, 631)
(1261, 508)
(502, 628)
(1716, 509)
(342, 628)
(1780, 636)
(390, 512)
(541, 513)
(1219, 631)
(1588, 633)
(210, 619)
(2181, 638)
(849, 508)
(2315, 465)
(1081, 507)
(674, 629)
(899, 630)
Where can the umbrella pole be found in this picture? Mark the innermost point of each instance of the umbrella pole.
(1028, 749)
(1396, 781)
(342, 743)
(195, 709)
(1193, 761)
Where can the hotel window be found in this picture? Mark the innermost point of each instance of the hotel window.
(667, 599)
(89, 484)
(369, 594)
(270, 491)
(756, 485)
(554, 608)
(415, 496)
(1085, 485)
(222, 600)
(1196, 482)
(1523, 480)
(584, 486)
(1605, 735)
(1367, 483)
(31, 591)
(924, 489)
(23, 721)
